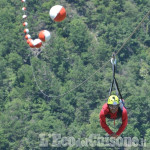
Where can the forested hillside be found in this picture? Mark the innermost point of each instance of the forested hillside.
(61, 87)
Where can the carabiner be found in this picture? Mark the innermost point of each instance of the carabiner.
(113, 59)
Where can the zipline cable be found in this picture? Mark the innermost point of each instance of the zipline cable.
(61, 95)
(132, 33)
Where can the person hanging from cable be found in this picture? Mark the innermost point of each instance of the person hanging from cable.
(114, 108)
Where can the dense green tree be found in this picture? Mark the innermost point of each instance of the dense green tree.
(61, 87)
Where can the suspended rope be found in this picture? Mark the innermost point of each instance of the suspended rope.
(132, 33)
(54, 96)
(114, 82)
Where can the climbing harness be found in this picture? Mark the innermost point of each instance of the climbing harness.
(114, 81)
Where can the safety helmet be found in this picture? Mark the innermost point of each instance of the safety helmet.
(113, 100)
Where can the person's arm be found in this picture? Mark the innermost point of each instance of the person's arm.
(103, 122)
(124, 122)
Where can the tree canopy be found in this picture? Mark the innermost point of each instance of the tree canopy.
(60, 88)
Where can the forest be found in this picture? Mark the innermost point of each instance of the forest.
(57, 91)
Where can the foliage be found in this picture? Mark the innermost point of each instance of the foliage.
(61, 88)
